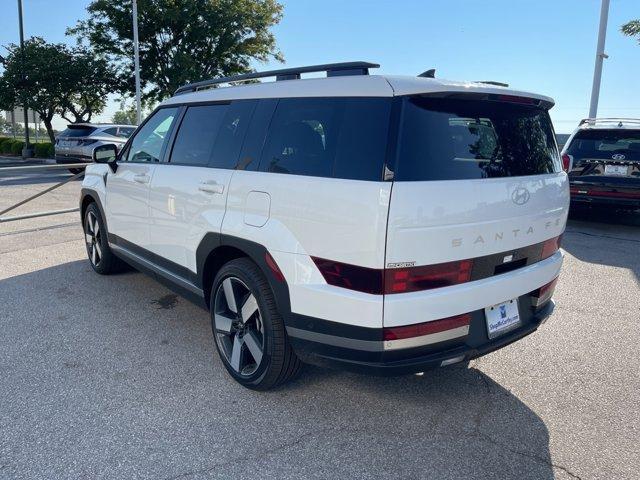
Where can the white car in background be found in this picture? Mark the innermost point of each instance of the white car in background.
(77, 142)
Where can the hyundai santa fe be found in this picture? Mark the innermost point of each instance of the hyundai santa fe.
(603, 159)
(385, 224)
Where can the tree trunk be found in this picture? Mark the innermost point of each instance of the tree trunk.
(49, 127)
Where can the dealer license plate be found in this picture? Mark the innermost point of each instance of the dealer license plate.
(502, 318)
(615, 169)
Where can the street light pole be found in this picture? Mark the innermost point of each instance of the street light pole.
(136, 60)
(600, 56)
(25, 150)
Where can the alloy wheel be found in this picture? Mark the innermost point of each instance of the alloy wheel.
(239, 329)
(92, 236)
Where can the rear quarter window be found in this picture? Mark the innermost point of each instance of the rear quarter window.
(456, 139)
(328, 137)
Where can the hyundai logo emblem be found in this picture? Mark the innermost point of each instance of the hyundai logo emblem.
(520, 196)
(618, 156)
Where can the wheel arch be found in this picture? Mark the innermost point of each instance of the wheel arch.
(215, 250)
(87, 197)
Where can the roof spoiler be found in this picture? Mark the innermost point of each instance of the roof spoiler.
(620, 121)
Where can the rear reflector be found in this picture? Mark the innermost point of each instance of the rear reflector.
(273, 266)
(550, 247)
(566, 162)
(427, 328)
(413, 279)
(544, 293)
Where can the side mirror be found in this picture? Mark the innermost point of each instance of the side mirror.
(106, 154)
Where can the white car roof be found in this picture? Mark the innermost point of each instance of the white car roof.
(345, 86)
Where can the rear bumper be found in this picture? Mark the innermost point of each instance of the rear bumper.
(62, 159)
(360, 354)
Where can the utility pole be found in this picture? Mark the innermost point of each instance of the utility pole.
(136, 60)
(600, 56)
(26, 150)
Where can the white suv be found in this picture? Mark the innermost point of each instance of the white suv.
(378, 223)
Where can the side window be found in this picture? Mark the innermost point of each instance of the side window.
(231, 134)
(254, 140)
(149, 142)
(301, 139)
(197, 135)
(111, 131)
(335, 137)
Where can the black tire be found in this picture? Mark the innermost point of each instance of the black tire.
(263, 327)
(101, 258)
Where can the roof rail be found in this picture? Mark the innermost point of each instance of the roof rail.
(332, 69)
(619, 120)
(492, 82)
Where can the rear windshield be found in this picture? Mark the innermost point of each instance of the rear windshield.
(77, 132)
(455, 139)
(603, 144)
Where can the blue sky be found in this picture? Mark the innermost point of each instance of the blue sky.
(546, 46)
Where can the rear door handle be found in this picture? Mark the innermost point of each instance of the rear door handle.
(141, 178)
(211, 187)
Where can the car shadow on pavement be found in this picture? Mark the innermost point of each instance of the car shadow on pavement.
(94, 363)
(604, 236)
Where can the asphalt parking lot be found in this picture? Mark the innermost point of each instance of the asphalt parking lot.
(116, 377)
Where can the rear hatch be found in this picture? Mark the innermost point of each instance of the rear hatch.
(73, 138)
(475, 178)
(606, 162)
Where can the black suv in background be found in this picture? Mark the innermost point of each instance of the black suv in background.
(603, 160)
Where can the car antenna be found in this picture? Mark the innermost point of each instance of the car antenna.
(431, 73)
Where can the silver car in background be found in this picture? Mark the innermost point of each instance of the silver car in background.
(77, 142)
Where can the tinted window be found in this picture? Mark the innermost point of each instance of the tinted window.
(149, 142)
(603, 144)
(111, 131)
(125, 132)
(254, 141)
(231, 134)
(77, 132)
(326, 137)
(452, 139)
(197, 134)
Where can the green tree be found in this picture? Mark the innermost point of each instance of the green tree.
(181, 41)
(92, 80)
(125, 116)
(73, 83)
(632, 29)
(44, 82)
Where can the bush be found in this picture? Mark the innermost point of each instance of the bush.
(6, 144)
(44, 150)
(16, 147)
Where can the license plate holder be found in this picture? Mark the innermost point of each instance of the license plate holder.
(616, 170)
(502, 318)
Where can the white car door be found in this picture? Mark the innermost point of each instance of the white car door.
(188, 194)
(127, 199)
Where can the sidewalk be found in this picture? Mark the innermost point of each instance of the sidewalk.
(17, 161)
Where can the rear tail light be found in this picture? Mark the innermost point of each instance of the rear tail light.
(544, 293)
(566, 162)
(427, 328)
(515, 99)
(394, 280)
(353, 277)
(413, 279)
(550, 247)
